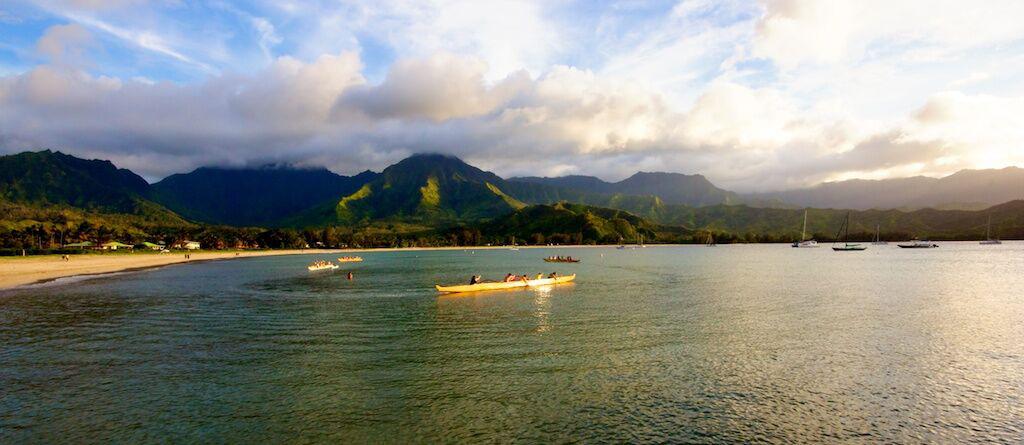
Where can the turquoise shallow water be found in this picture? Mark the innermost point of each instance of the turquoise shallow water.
(665, 344)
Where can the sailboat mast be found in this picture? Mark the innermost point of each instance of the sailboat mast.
(803, 232)
(988, 228)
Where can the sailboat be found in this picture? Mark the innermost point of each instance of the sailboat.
(803, 234)
(878, 236)
(988, 234)
(513, 247)
(847, 246)
(711, 240)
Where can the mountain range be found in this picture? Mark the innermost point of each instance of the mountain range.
(434, 192)
(964, 190)
(670, 188)
(261, 196)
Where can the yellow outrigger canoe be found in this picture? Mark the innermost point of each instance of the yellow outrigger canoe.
(350, 259)
(503, 285)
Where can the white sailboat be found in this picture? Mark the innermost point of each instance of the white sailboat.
(711, 240)
(878, 238)
(803, 242)
(513, 247)
(988, 234)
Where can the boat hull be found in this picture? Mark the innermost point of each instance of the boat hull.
(502, 285)
(548, 260)
(849, 248)
(350, 260)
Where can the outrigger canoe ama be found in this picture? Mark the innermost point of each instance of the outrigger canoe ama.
(502, 285)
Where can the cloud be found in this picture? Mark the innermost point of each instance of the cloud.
(793, 32)
(65, 44)
(102, 4)
(566, 120)
(755, 96)
(439, 87)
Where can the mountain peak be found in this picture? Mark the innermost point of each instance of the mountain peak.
(429, 186)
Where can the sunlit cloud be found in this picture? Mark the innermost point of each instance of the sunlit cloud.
(755, 95)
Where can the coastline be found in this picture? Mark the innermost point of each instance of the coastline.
(22, 271)
(17, 272)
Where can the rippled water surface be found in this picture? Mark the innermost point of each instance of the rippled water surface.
(663, 344)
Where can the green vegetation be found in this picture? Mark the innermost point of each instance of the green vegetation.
(261, 196)
(50, 200)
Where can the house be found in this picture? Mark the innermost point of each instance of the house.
(114, 245)
(150, 246)
(81, 245)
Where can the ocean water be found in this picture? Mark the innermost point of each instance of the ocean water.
(739, 343)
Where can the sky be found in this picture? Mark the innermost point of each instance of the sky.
(755, 95)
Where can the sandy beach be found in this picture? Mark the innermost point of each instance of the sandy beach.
(19, 271)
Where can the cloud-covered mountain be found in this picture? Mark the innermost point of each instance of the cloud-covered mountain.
(252, 196)
(967, 189)
(434, 192)
(671, 188)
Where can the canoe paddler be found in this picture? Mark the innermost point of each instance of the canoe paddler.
(475, 280)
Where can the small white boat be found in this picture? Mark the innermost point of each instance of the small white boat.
(325, 265)
(918, 244)
(805, 243)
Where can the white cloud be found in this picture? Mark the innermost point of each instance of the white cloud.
(788, 95)
(792, 32)
(65, 44)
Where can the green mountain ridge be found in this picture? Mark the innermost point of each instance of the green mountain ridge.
(424, 188)
(414, 201)
(54, 181)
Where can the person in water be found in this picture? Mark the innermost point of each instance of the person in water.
(350, 276)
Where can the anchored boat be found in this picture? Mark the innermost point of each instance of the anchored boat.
(988, 235)
(350, 259)
(847, 246)
(878, 236)
(918, 244)
(803, 234)
(504, 285)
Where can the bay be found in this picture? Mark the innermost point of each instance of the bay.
(738, 343)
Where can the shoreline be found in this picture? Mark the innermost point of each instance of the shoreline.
(19, 272)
